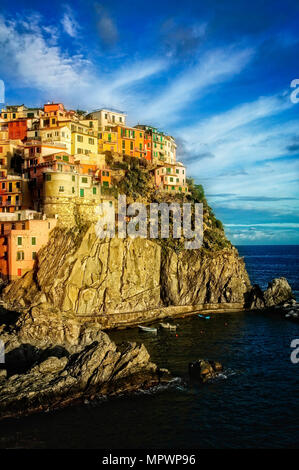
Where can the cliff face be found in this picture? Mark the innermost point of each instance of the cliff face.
(81, 275)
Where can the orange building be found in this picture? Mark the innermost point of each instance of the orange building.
(104, 176)
(14, 194)
(20, 243)
(17, 129)
(148, 144)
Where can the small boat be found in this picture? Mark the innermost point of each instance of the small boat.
(147, 329)
(205, 317)
(168, 326)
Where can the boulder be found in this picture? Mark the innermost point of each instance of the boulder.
(204, 370)
(278, 292)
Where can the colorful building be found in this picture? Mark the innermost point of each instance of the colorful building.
(14, 194)
(20, 243)
(108, 117)
(107, 141)
(171, 178)
(17, 129)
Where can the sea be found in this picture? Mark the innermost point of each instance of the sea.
(252, 404)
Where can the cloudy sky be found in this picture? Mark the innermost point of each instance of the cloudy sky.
(215, 74)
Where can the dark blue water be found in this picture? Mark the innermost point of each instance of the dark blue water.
(254, 404)
(265, 262)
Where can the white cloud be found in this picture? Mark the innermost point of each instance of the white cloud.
(215, 67)
(70, 25)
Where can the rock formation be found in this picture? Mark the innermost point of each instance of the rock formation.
(278, 292)
(204, 370)
(83, 276)
(52, 362)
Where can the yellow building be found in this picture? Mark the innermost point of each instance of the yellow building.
(84, 139)
(107, 141)
(11, 113)
(139, 148)
(3, 132)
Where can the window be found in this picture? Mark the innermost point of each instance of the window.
(84, 180)
(123, 146)
(33, 240)
(20, 240)
(177, 171)
(73, 177)
(109, 137)
(65, 158)
(106, 116)
(91, 141)
(53, 121)
(79, 138)
(61, 189)
(94, 190)
(140, 135)
(34, 255)
(120, 119)
(59, 166)
(81, 192)
(171, 180)
(73, 189)
(131, 146)
(48, 177)
(20, 255)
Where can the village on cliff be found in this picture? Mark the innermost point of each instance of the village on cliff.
(55, 162)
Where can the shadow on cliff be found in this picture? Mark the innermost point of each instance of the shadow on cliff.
(23, 358)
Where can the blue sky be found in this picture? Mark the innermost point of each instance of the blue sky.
(214, 74)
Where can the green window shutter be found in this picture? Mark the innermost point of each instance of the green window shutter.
(73, 177)
(34, 255)
(84, 180)
(94, 190)
(19, 241)
(81, 192)
(33, 240)
(48, 177)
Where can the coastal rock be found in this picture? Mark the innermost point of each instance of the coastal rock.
(204, 370)
(278, 291)
(278, 294)
(81, 276)
(67, 373)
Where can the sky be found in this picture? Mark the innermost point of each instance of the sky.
(214, 74)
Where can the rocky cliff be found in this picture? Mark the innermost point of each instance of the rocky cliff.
(83, 276)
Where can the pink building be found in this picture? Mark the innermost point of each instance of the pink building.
(171, 177)
(24, 240)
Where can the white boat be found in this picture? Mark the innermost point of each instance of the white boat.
(148, 329)
(168, 326)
